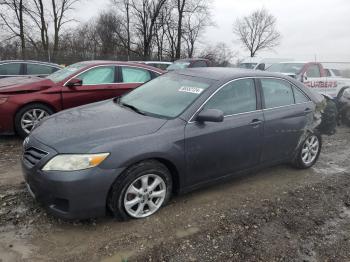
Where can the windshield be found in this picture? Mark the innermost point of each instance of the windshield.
(166, 96)
(178, 65)
(247, 65)
(294, 68)
(65, 72)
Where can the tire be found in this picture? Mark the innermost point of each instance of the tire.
(122, 192)
(30, 114)
(300, 160)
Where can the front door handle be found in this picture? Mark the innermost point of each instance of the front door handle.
(255, 123)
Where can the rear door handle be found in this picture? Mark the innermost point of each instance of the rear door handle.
(255, 122)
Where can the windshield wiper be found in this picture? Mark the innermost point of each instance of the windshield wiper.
(133, 108)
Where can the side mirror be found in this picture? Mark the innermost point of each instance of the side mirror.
(74, 82)
(261, 67)
(304, 77)
(210, 115)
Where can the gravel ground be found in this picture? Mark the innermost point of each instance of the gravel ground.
(278, 214)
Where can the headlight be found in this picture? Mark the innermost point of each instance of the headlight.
(74, 162)
(3, 100)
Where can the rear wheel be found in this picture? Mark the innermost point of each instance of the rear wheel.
(29, 116)
(140, 191)
(309, 152)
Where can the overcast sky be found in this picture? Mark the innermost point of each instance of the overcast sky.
(309, 28)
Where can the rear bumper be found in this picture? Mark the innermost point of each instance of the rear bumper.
(69, 195)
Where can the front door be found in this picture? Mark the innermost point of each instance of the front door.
(217, 149)
(99, 83)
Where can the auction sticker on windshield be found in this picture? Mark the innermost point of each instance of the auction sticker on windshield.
(193, 90)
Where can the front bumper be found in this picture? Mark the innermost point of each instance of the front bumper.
(69, 195)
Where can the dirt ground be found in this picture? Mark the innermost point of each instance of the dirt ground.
(279, 214)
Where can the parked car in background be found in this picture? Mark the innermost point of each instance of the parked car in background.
(158, 64)
(313, 75)
(11, 68)
(180, 131)
(332, 72)
(256, 63)
(189, 63)
(24, 101)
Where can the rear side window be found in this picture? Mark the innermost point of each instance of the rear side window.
(98, 76)
(10, 69)
(234, 98)
(199, 64)
(135, 75)
(277, 93)
(36, 69)
(300, 97)
(313, 71)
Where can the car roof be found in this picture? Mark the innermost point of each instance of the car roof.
(29, 61)
(107, 62)
(226, 74)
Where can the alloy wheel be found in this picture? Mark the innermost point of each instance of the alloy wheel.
(310, 150)
(145, 195)
(31, 118)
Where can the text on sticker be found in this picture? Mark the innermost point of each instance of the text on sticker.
(193, 90)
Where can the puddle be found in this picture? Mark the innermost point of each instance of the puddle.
(122, 256)
(187, 232)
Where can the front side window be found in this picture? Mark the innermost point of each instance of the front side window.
(234, 98)
(166, 96)
(10, 69)
(135, 75)
(277, 93)
(98, 76)
(313, 71)
(36, 69)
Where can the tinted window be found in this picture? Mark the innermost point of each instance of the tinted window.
(35, 69)
(199, 64)
(234, 98)
(313, 71)
(277, 93)
(135, 75)
(300, 97)
(10, 69)
(98, 75)
(166, 96)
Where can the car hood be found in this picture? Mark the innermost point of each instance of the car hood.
(23, 84)
(82, 129)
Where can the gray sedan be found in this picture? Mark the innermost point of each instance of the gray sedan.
(178, 132)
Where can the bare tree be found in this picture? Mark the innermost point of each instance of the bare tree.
(257, 31)
(145, 13)
(38, 14)
(60, 10)
(12, 18)
(219, 55)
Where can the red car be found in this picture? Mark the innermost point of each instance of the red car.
(24, 101)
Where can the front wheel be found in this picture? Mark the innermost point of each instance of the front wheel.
(141, 190)
(309, 152)
(29, 116)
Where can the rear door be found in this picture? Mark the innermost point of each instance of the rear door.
(213, 150)
(287, 111)
(99, 83)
